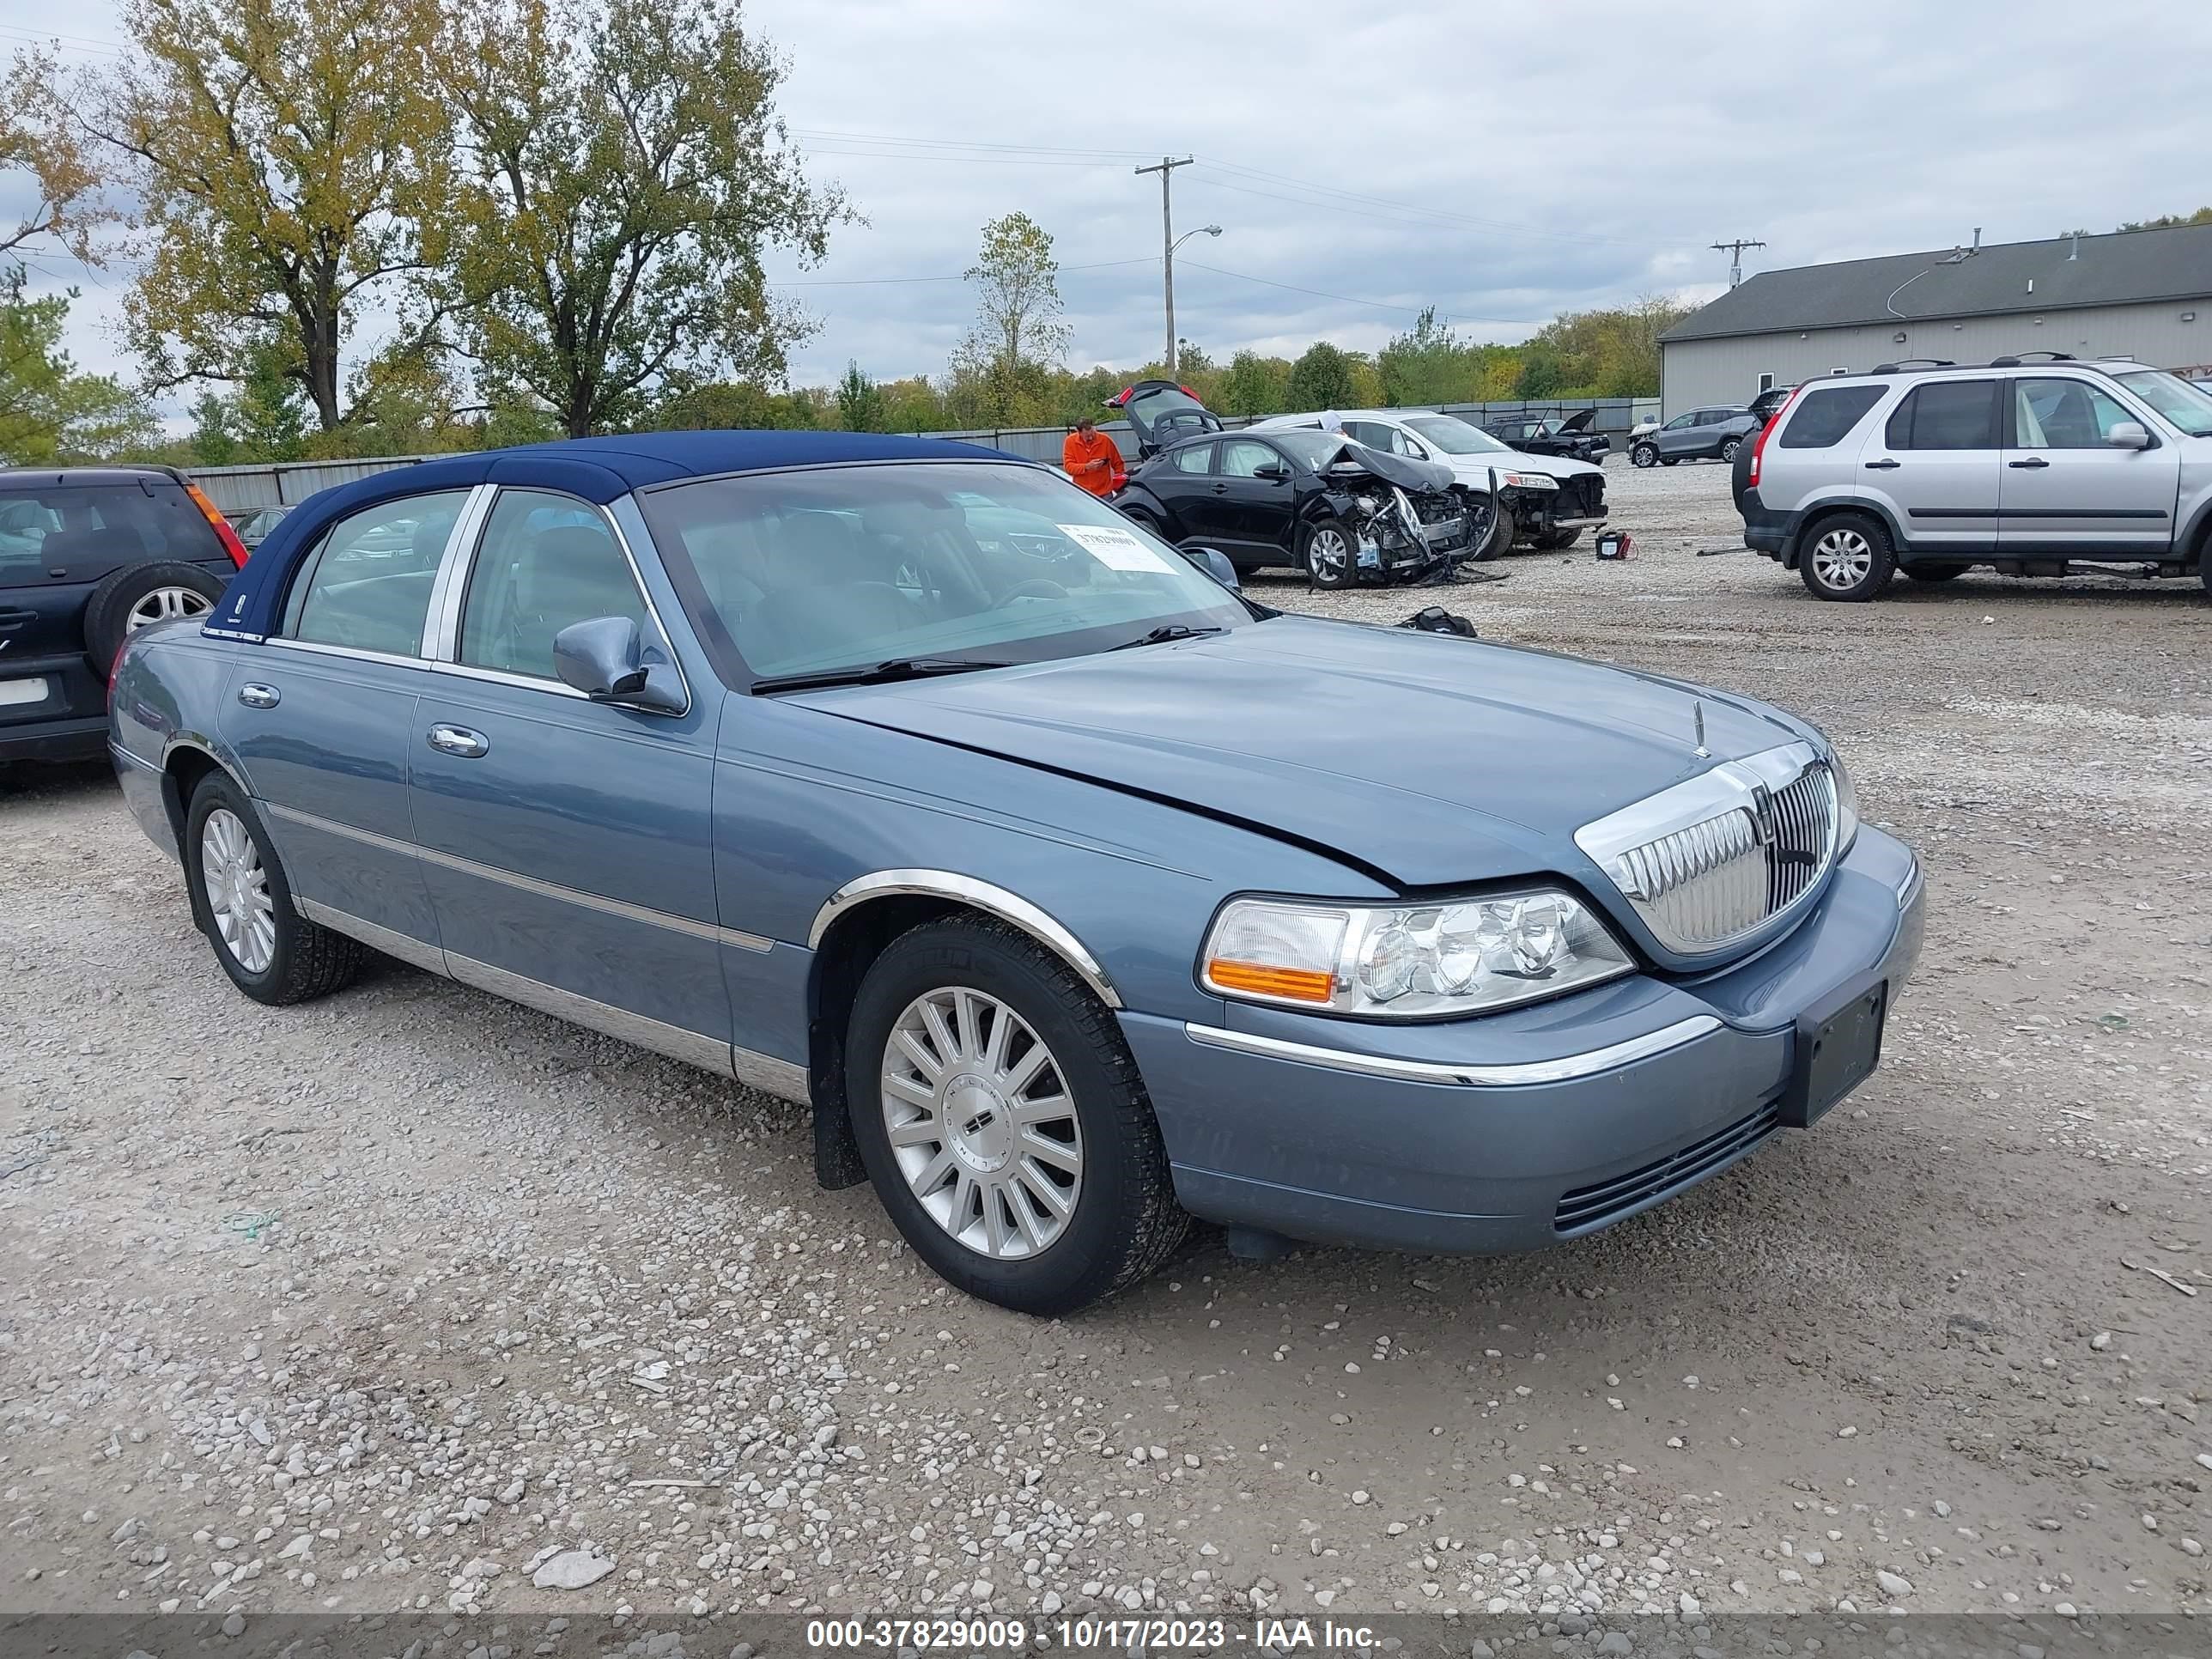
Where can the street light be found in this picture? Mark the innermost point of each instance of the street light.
(1168, 272)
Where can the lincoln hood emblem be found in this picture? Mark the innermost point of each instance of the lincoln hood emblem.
(1697, 714)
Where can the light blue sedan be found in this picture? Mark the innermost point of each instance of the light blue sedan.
(1077, 895)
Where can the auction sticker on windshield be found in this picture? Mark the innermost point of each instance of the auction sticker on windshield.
(1115, 547)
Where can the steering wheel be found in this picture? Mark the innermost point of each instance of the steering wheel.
(1036, 588)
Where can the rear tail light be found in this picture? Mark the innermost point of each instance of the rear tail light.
(115, 667)
(1759, 449)
(224, 532)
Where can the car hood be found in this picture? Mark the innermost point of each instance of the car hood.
(1552, 466)
(1430, 760)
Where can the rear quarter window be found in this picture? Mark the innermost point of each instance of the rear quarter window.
(1824, 418)
(65, 533)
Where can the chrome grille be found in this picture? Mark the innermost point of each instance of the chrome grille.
(1710, 861)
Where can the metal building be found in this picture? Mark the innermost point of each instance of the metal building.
(2142, 294)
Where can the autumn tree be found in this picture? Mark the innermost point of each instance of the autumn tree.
(1003, 368)
(624, 172)
(289, 158)
(40, 140)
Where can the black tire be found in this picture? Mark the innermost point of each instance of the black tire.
(1330, 575)
(1934, 572)
(1550, 541)
(108, 612)
(1729, 447)
(308, 960)
(1125, 1222)
(1138, 515)
(1849, 544)
(1669, 460)
(1499, 535)
(1740, 473)
(1644, 455)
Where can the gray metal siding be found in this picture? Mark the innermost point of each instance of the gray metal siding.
(1694, 373)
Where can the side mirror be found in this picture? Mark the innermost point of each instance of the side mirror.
(1271, 474)
(607, 659)
(1215, 563)
(2129, 435)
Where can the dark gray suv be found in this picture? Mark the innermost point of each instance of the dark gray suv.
(1712, 433)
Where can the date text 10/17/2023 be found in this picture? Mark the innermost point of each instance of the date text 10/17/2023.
(1118, 1635)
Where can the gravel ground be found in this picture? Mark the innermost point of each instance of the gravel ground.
(375, 1303)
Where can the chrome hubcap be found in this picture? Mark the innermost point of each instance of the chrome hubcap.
(980, 1123)
(164, 605)
(1841, 559)
(1329, 554)
(237, 890)
(1644, 457)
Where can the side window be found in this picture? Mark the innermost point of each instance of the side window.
(1945, 415)
(368, 586)
(545, 561)
(2062, 415)
(1681, 422)
(1197, 458)
(1824, 418)
(1242, 458)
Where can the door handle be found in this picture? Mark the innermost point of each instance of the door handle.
(2032, 461)
(1221, 490)
(458, 740)
(254, 696)
(1884, 465)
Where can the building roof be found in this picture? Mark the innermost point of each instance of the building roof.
(2124, 268)
(598, 469)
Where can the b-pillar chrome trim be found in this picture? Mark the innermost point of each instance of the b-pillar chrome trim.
(981, 895)
(780, 1078)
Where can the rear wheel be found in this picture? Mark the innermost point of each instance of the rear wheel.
(1003, 1122)
(1550, 541)
(1644, 455)
(242, 902)
(1847, 558)
(1331, 548)
(1491, 526)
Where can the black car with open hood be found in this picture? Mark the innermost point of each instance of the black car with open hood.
(1161, 412)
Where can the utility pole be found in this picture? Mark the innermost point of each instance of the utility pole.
(1734, 251)
(1166, 170)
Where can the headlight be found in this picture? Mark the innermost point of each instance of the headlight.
(1409, 962)
(1528, 481)
(1847, 805)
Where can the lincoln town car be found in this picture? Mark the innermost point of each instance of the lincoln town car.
(1073, 894)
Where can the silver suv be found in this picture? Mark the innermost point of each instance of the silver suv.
(2028, 467)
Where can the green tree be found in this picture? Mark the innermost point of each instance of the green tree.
(624, 174)
(2202, 217)
(735, 406)
(260, 415)
(912, 404)
(289, 158)
(51, 413)
(1001, 371)
(1322, 379)
(1253, 385)
(1609, 353)
(861, 405)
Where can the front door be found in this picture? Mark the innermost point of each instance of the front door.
(1184, 480)
(1938, 461)
(1680, 435)
(1255, 510)
(567, 843)
(319, 715)
(2067, 489)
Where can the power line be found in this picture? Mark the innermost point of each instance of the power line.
(1734, 251)
(875, 282)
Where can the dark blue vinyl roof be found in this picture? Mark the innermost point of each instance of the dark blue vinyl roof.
(598, 469)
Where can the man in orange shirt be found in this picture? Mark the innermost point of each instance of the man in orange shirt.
(1092, 458)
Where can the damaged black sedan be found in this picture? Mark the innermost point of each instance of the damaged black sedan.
(1316, 502)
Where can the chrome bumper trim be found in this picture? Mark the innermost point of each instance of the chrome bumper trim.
(117, 752)
(1910, 890)
(1519, 1074)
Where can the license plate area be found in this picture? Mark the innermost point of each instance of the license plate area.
(1839, 1046)
(13, 692)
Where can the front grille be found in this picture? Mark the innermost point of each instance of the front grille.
(1586, 1208)
(1722, 876)
(1582, 496)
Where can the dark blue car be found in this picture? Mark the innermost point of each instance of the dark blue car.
(1075, 894)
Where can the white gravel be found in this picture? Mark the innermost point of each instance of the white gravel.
(411, 1299)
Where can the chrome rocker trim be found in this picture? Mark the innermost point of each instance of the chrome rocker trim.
(1519, 1074)
(967, 889)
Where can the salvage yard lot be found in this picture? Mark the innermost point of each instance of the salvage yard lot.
(519, 1287)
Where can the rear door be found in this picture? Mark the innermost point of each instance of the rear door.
(1937, 462)
(320, 714)
(2067, 489)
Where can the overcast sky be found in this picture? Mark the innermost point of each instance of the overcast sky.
(1505, 160)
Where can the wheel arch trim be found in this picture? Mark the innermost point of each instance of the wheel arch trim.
(986, 896)
(1806, 519)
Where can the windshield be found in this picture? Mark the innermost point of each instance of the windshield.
(1455, 436)
(2189, 407)
(837, 567)
(1316, 449)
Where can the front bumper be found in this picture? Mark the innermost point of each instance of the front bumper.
(1522, 1128)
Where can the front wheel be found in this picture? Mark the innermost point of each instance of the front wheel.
(1331, 550)
(1849, 558)
(1003, 1122)
(243, 903)
(1644, 455)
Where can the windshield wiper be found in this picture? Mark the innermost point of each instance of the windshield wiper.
(1165, 632)
(897, 668)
